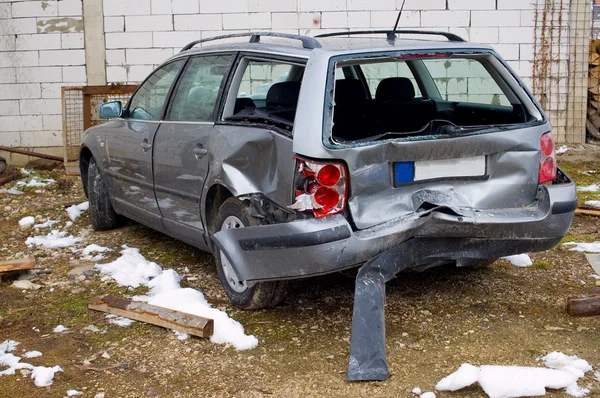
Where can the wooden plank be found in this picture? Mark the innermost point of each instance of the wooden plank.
(588, 211)
(21, 264)
(159, 316)
(588, 306)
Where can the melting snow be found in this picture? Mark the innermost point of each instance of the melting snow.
(132, 269)
(26, 221)
(562, 150)
(584, 247)
(593, 203)
(35, 183)
(76, 210)
(520, 381)
(44, 376)
(32, 354)
(47, 224)
(428, 395)
(60, 329)
(11, 191)
(94, 248)
(53, 240)
(589, 188)
(72, 393)
(119, 320)
(181, 335)
(41, 375)
(25, 172)
(520, 260)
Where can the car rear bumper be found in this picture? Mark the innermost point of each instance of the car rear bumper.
(319, 246)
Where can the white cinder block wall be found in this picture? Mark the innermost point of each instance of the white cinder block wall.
(42, 43)
(41, 49)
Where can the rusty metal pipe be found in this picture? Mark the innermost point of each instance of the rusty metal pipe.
(34, 154)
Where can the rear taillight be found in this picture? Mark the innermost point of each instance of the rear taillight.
(320, 188)
(547, 159)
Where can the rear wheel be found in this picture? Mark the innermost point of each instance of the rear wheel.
(102, 215)
(233, 214)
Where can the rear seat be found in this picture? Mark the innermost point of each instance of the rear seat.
(352, 116)
(398, 109)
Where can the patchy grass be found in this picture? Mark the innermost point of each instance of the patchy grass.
(542, 264)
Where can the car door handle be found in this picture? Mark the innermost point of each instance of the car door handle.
(145, 145)
(199, 151)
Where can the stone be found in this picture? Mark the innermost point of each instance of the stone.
(25, 285)
(76, 272)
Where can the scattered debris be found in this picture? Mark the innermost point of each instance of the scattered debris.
(588, 306)
(520, 381)
(76, 210)
(519, 260)
(167, 318)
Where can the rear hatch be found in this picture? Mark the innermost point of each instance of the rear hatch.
(417, 131)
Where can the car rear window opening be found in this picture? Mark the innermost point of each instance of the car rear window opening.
(428, 96)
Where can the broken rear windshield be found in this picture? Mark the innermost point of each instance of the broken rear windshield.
(423, 95)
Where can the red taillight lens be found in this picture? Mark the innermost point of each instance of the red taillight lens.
(319, 187)
(547, 159)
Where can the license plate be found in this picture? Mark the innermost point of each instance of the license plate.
(422, 170)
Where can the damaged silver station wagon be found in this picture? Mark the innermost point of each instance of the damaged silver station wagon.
(305, 156)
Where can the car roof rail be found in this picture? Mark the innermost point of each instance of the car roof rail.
(307, 42)
(391, 34)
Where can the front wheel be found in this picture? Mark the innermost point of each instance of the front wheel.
(234, 214)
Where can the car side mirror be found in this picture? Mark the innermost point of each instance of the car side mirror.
(111, 110)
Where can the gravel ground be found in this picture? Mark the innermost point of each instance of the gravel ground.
(436, 320)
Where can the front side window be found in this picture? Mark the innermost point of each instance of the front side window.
(198, 90)
(149, 100)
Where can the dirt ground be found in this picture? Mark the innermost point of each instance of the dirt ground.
(436, 320)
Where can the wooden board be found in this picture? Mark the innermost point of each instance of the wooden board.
(588, 211)
(159, 316)
(21, 264)
(588, 306)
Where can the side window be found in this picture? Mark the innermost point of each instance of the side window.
(376, 72)
(260, 76)
(148, 102)
(465, 80)
(198, 89)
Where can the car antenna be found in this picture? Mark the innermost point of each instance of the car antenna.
(392, 35)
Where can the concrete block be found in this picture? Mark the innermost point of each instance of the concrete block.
(62, 57)
(174, 39)
(359, 19)
(20, 123)
(18, 26)
(49, 74)
(517, 35)
(20, 90)
(161, 6)
(334, 19)
(198, 22)
(137, 73)
(151, 56)
(272, 5)
(74, 74)
(120, 7)
(386, 19)
(526, 52)
(229, 6)
(116, 40)
(445, 18)
(62, 25)
(7, 43)
(148, 23)
(9, 107)
(509, 52)
(51, 106)
(186, 7)
(52, 90)
(236, 21)
(52, 122)
(8, 75)
(114, 24)
(41, 138)
(471, 4)
(71, 41)
(38, 42)
(484, 35)
(363, 5)
(419, 5)
(117, 57)
(30, 8)
(260, 20)
(70, 8)
(116, 74)
(321, 5)
(10, 138)
(26, 58)
(495, 18)
(5, 11)
(516, 4)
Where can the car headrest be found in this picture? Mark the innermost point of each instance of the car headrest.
(349, 90)
(283, 94)
(395, 89)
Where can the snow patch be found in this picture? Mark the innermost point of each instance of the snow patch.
(47, 224)
(593, 203)
(520, 260)
(181, 335)
(520, 381)
(428, 395)
(589, 188)
(94, 248)
(32, 354)
(11, 191)
(562, 149)
(53, 240)
(584, 247)
(43, 376)
(26, 221)
(76, 210)
(36, 183)
(72, 393)
(132, 269)
(119, 320)
(416, 391)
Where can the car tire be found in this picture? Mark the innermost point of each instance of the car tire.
(234, 213)
(102, 215)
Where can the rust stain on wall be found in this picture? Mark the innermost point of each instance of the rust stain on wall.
(63, 25)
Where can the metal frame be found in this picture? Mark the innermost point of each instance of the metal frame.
(391, 34)
(307, 42)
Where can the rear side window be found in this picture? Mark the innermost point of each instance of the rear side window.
(198, 89)
(465, 80)
(149, 100)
